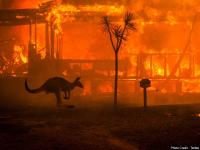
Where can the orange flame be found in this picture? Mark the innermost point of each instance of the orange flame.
(18, 55)
(63, 13)
(109, 9)
(60, 14)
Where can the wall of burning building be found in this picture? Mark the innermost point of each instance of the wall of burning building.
(167, 32)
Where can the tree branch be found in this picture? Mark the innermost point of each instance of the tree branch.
(107, 25)
(111, 39)
(121, 38)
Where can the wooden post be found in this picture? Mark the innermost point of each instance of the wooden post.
(57, 47)
(29, 48)
(47, 41)
(137, 68)
(145, 83)
(52, 40)
(30, 32)
(151, 65)
(61, 47)
(193, 64)
(36, 32)
(165, 67)
(145, 98)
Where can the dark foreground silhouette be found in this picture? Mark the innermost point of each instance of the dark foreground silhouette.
(99, 127)
(56, 85)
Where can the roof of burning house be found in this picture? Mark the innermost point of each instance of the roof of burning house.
(20, 16)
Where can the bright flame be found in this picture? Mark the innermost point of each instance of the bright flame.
(158, 70)
(171, 19)
(109, 9)
(60, 14)
(63, 13)
(158, 30)
(18, 54)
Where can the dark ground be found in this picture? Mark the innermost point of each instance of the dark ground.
(99, 127)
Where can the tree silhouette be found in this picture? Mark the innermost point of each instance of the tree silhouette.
(118, 34)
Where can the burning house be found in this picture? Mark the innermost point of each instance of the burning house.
(43, 39)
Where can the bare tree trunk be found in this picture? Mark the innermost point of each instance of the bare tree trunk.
(116, 79)
(117, 35)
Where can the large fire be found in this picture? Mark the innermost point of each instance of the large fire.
(165, 45)
(60, 14)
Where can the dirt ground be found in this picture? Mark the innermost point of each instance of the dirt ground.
(99, 127)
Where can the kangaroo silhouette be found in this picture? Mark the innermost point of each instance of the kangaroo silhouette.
(56, 85)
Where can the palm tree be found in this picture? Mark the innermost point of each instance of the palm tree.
(118, 34)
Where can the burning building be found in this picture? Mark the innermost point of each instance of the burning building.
(47, 38)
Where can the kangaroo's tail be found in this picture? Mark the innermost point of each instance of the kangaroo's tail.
(32, 90)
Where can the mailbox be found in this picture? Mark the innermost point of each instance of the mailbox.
(145, 83)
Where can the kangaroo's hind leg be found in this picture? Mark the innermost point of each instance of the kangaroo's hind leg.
(67, 95)
(58, 98)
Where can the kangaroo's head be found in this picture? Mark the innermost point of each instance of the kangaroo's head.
(78, 83)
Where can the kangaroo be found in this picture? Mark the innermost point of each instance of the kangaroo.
(56, 85)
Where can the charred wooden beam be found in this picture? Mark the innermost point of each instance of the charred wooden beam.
(13, 17)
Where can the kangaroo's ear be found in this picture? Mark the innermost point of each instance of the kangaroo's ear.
(78, 78)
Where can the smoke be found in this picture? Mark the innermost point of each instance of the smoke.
(19, 4)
